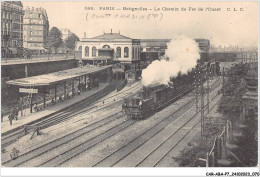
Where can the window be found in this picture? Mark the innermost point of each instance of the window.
(106, 46)
(86, 51)
(80, 48)
(126, 52)
(94, 51)
(118, 52)
(136, 53)
(133, 53)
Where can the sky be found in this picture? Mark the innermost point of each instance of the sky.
(223, 23)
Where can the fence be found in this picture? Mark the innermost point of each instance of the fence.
(41, 57)
(237, 143)
(218, 150)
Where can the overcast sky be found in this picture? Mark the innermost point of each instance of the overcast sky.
(221, 27)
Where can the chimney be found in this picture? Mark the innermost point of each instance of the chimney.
(119, 31)
(85, 35)
(111, 30)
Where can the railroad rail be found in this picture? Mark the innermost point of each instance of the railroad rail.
(59, 117)
(80, 147)
(156, 162)
(125, 149)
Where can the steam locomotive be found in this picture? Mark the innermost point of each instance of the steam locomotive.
(151, 99)
(154, 98)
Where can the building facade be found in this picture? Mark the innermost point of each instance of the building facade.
(152, 49)
(11, 27)
(160, 45)
(110, 47)
(35, 29)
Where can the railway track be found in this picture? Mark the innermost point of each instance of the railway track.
(59, 117)
(123, 151)
(28, 155)
(156, 155)
(155, 163)
(81, 147)
(74, 151)
(77, 148)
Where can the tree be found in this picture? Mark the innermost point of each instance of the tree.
(53, 41)
(234, 89)
(70, 41)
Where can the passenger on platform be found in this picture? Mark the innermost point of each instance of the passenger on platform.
(35, 108)
(13, 114)
(140, 104)
(68, 95)
(10, 117)
(2, 117)
(16, 113)
(79, 86)
(61, 99)
(53, 101)
(85, 87)
(78, 92)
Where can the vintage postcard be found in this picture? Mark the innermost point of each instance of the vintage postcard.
(129, 84)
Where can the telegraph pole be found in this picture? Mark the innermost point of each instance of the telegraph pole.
(208, 89)
(197, 86)
(202, 110)
(197, 95)
(200, 92)
(223, 77)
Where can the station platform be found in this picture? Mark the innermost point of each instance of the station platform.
(5, 125)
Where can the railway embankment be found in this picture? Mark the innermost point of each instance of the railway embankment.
(230, 131)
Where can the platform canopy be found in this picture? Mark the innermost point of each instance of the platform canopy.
(56, 77)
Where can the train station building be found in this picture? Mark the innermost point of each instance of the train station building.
(109, 48)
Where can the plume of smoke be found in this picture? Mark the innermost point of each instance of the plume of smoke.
(181, 56)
